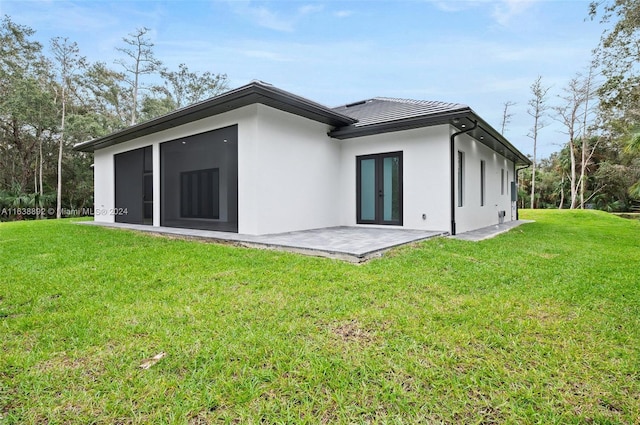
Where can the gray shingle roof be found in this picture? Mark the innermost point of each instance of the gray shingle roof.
(387, 109)
(385, 114)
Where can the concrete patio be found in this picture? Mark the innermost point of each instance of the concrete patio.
(355, 244)
(489, 231)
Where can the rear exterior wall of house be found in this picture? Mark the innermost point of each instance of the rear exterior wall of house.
(292, 176)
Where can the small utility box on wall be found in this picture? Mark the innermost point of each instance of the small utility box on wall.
(501, 215)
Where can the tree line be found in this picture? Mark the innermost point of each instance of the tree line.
(51, 98)
(598, 164)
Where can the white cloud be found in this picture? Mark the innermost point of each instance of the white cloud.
(459, 5)
(503, 11)
(506, 10)
(310, 8)
(275, 20)
(449, 6)
(343, 13)
(267, 18)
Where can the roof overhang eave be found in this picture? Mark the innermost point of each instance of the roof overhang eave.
(495, 137)
(254, 92)
(459, 119)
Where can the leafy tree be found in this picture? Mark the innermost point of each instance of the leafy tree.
(154, 106)
(48, 103)
(36, 105)
(614, 180)
(551, 182)
(107, 100)
(186, 87)
(618, 55)
(180, 88)
(612, 171)
(632, 147)
(27, 112)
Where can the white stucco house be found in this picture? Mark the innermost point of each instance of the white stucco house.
(259, 160)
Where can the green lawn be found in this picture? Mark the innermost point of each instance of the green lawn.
(539, 325)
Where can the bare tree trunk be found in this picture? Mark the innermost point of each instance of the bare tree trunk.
(135, 93)
(583, 163)
(533, 176)
(41, 166)
(35, 178)
(561, 193)
(585, 136)
(572, 178)
(506, 116)
(139, 49)
(59, 199)
(537, 108)
(569, 115)
(69, 61)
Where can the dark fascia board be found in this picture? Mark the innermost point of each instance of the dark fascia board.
(398, 125)
(254, 92)
(458, 118)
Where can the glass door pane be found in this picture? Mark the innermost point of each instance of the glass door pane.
(368, 189)
(391, 188)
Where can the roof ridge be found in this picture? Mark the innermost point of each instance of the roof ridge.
(418, 101)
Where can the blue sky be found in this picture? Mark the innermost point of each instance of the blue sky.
(481, 53)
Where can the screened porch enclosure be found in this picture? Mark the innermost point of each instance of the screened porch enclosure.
(199, 181)
(133, 174)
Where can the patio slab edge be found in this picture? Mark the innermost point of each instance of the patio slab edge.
(260, 242)
(353, 257)
(489, 232)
